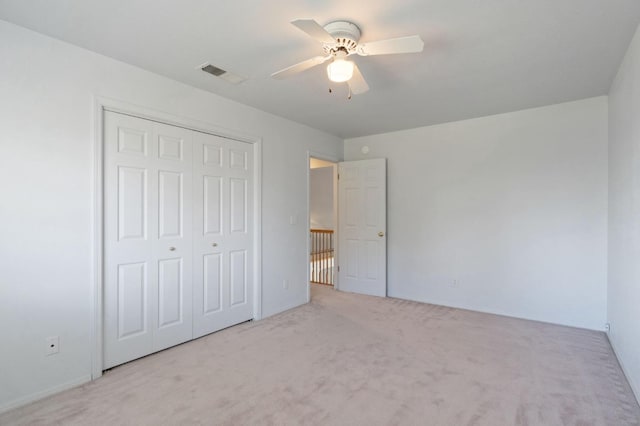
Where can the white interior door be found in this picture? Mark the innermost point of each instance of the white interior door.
(223, 233)
(147, 237)
(362, 219)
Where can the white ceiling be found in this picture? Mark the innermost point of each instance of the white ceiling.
(480, 58)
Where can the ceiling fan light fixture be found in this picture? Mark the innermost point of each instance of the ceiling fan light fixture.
(341, 39)
(340, 70)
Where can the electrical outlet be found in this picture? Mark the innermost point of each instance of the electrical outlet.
(53, 345)
(454, 283)
(607, 327)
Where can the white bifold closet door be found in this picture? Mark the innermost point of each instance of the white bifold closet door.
(177, 235)
(223, 250)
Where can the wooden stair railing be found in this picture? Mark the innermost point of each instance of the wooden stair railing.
(321, 257)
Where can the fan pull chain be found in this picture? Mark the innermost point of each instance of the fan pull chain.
(349, 97)
(330, 91)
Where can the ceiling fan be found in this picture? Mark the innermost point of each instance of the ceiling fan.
(340, 40)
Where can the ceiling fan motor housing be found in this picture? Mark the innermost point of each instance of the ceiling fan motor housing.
(347, 35)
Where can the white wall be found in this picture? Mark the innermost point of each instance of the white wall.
(624, 214)
(512, 206)
(321, 197)
(46, 170)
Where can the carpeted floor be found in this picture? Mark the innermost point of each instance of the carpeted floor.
(348, 359)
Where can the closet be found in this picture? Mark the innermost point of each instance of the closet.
(178, 235)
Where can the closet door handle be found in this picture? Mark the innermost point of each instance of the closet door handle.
(214, 245)
(172, 249)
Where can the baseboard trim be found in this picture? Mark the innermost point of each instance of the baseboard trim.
(284, 309)
(634, 387)
(45, 393)
(498, 312)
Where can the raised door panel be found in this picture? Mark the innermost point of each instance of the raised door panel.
(170, 147)
(170, 204)
(132, 203)
(238, 278)
(349, 174)
(352, 207)
(212, 154)
(212, 289)
(132, 300)
(238, 205)
(132, 142)
(170, 292)
(212, 205)
(351, 255)
(371, 259)
(371, 207)
(238, 159)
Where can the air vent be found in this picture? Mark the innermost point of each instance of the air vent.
(213, 70)
(219, 72)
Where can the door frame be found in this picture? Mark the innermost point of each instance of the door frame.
(335, 160)
(102, 104)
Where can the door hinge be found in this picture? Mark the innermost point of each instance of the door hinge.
(338, 268)
(338, 176)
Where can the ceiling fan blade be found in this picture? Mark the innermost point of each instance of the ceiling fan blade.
(357, 83)
(299, 67)
(409, 44)
(313, 29)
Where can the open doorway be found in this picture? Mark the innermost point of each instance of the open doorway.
(323, 178)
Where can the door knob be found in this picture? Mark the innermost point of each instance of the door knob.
(214, 245)
(172, 249)
(380, 234)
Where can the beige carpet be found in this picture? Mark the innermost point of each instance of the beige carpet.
(347, 359)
